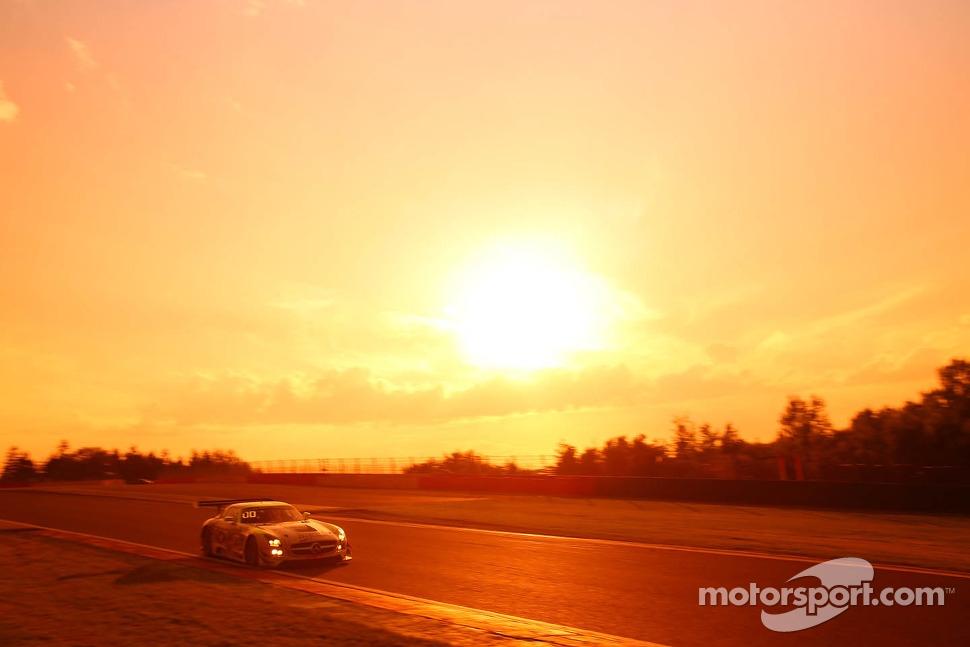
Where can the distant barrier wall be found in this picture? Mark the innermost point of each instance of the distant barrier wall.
(23, 484)
(375, 481)
(913, 497)
(922, 497)
(857, 496)
(927, 497)
(547, 485)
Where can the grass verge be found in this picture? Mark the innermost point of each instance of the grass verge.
(58, 592)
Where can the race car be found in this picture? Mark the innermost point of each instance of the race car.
(264, 532)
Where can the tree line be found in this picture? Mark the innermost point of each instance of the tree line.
(463, 463)
(95, 463)
(927, 439)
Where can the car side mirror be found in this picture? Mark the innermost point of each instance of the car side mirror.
(306, 515)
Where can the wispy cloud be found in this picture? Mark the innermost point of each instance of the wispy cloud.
(303, 298)
(253, 8)
(8, 109)
(813, 335)
(865, 312)
(87, 64)
(82, 55)
(356, 395)
(914, 366)
(117, 88)
(188, 174)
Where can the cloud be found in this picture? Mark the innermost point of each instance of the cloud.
(87, 64)
(117, 88)
(355, 395)
(188, 174)
(8, 109)
(914, 366)
(722, 353)
(82, 55)
(253, 8)
(702, 382)
(865, 313)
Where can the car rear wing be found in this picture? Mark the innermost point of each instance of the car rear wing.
(224, 502)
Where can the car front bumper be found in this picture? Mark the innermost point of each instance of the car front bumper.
(342, 554)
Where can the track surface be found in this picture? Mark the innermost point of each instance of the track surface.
(633, 591)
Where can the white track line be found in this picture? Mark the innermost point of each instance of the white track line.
(636, 544)
(601, 542)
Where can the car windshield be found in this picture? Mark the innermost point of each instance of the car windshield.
(275, 514)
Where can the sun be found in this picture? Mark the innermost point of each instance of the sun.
(526, 308)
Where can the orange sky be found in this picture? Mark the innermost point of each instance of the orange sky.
(278, 226)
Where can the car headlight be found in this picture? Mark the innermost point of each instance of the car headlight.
(274, 542)
(341, 537)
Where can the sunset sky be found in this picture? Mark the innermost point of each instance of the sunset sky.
(338, 229)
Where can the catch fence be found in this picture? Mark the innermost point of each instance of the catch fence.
(392, 465)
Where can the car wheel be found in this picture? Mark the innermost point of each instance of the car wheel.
(207, 542)
(252, 552)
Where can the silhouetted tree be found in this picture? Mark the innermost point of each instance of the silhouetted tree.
(730, 440)
(708, 438)
(685, 439)
(566, 462)
(616, 457)
(868, 440)
(87, 463)
(461, 463)
(137, 466)
(217, 463)
(646, 458)
(18, 468)
(947, 413)
(589, 462)
(805, 432)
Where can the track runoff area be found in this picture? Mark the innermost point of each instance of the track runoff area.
(496, 624)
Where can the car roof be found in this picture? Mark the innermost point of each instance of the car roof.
(261, 504)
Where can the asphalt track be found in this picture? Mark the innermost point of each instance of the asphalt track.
(627, 590)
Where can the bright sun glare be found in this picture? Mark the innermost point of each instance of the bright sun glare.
(526, 308)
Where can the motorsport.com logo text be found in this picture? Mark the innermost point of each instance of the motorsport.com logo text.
(845, 583)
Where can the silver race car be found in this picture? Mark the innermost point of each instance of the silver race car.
(264, 532)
